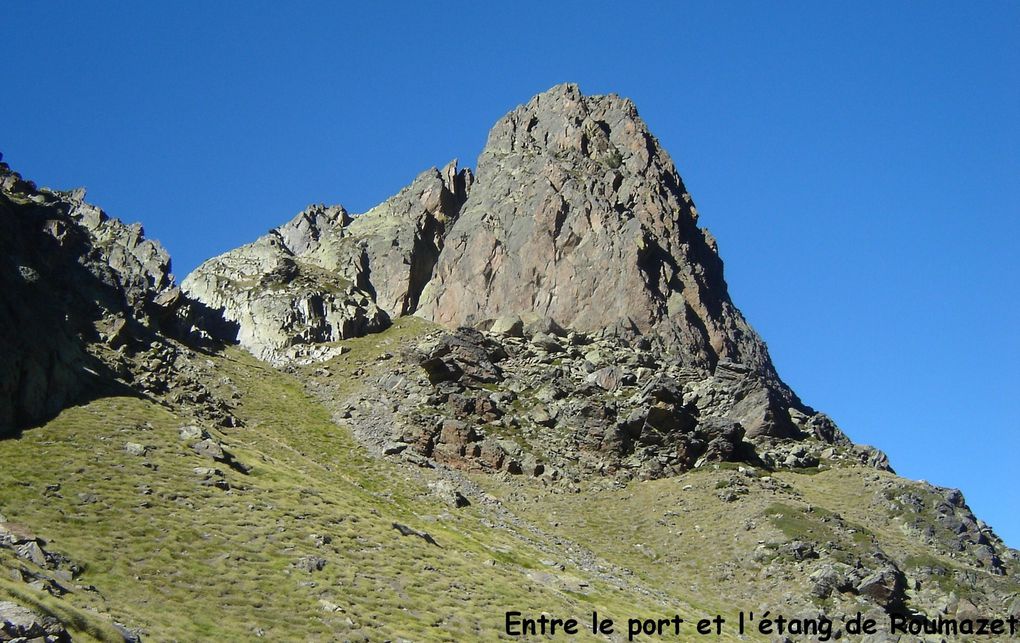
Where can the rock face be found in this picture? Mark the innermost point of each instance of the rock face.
(76, 282)
(280, 295)
(400, 240)
(326, 276)
(578, 215)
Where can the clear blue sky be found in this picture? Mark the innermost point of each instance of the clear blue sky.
(858, 162)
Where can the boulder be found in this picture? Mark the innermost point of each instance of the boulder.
(133, 448)
(210, 449)
(885, 587)
(608, 378)
(548, 343)
(19, 623)
(724, 438)
(31, 551)
(508, 326)
(464, 355)
(191, 433)
(311, 563)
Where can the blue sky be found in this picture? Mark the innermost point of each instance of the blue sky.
(859, 163)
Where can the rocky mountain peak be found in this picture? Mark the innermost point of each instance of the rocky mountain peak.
(562, 122)
(578, 214)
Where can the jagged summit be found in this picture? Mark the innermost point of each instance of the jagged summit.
(578, 214)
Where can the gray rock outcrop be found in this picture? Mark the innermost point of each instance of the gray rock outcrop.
(281, 294)
(524, 400)
(326, 276)
(19, 623)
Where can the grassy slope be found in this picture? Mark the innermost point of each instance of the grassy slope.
(676, 534)
(189, 562)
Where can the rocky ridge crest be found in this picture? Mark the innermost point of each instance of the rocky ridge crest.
(87, 299)
(326, 276)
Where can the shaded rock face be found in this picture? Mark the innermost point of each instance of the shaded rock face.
(76, 282)
(326, 276)
(400, 240)
(578, 215)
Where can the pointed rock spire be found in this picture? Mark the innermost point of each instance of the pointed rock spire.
(578, 214)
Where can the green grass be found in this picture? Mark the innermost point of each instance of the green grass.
(614, 159)
(189, 562)
(798, 524)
